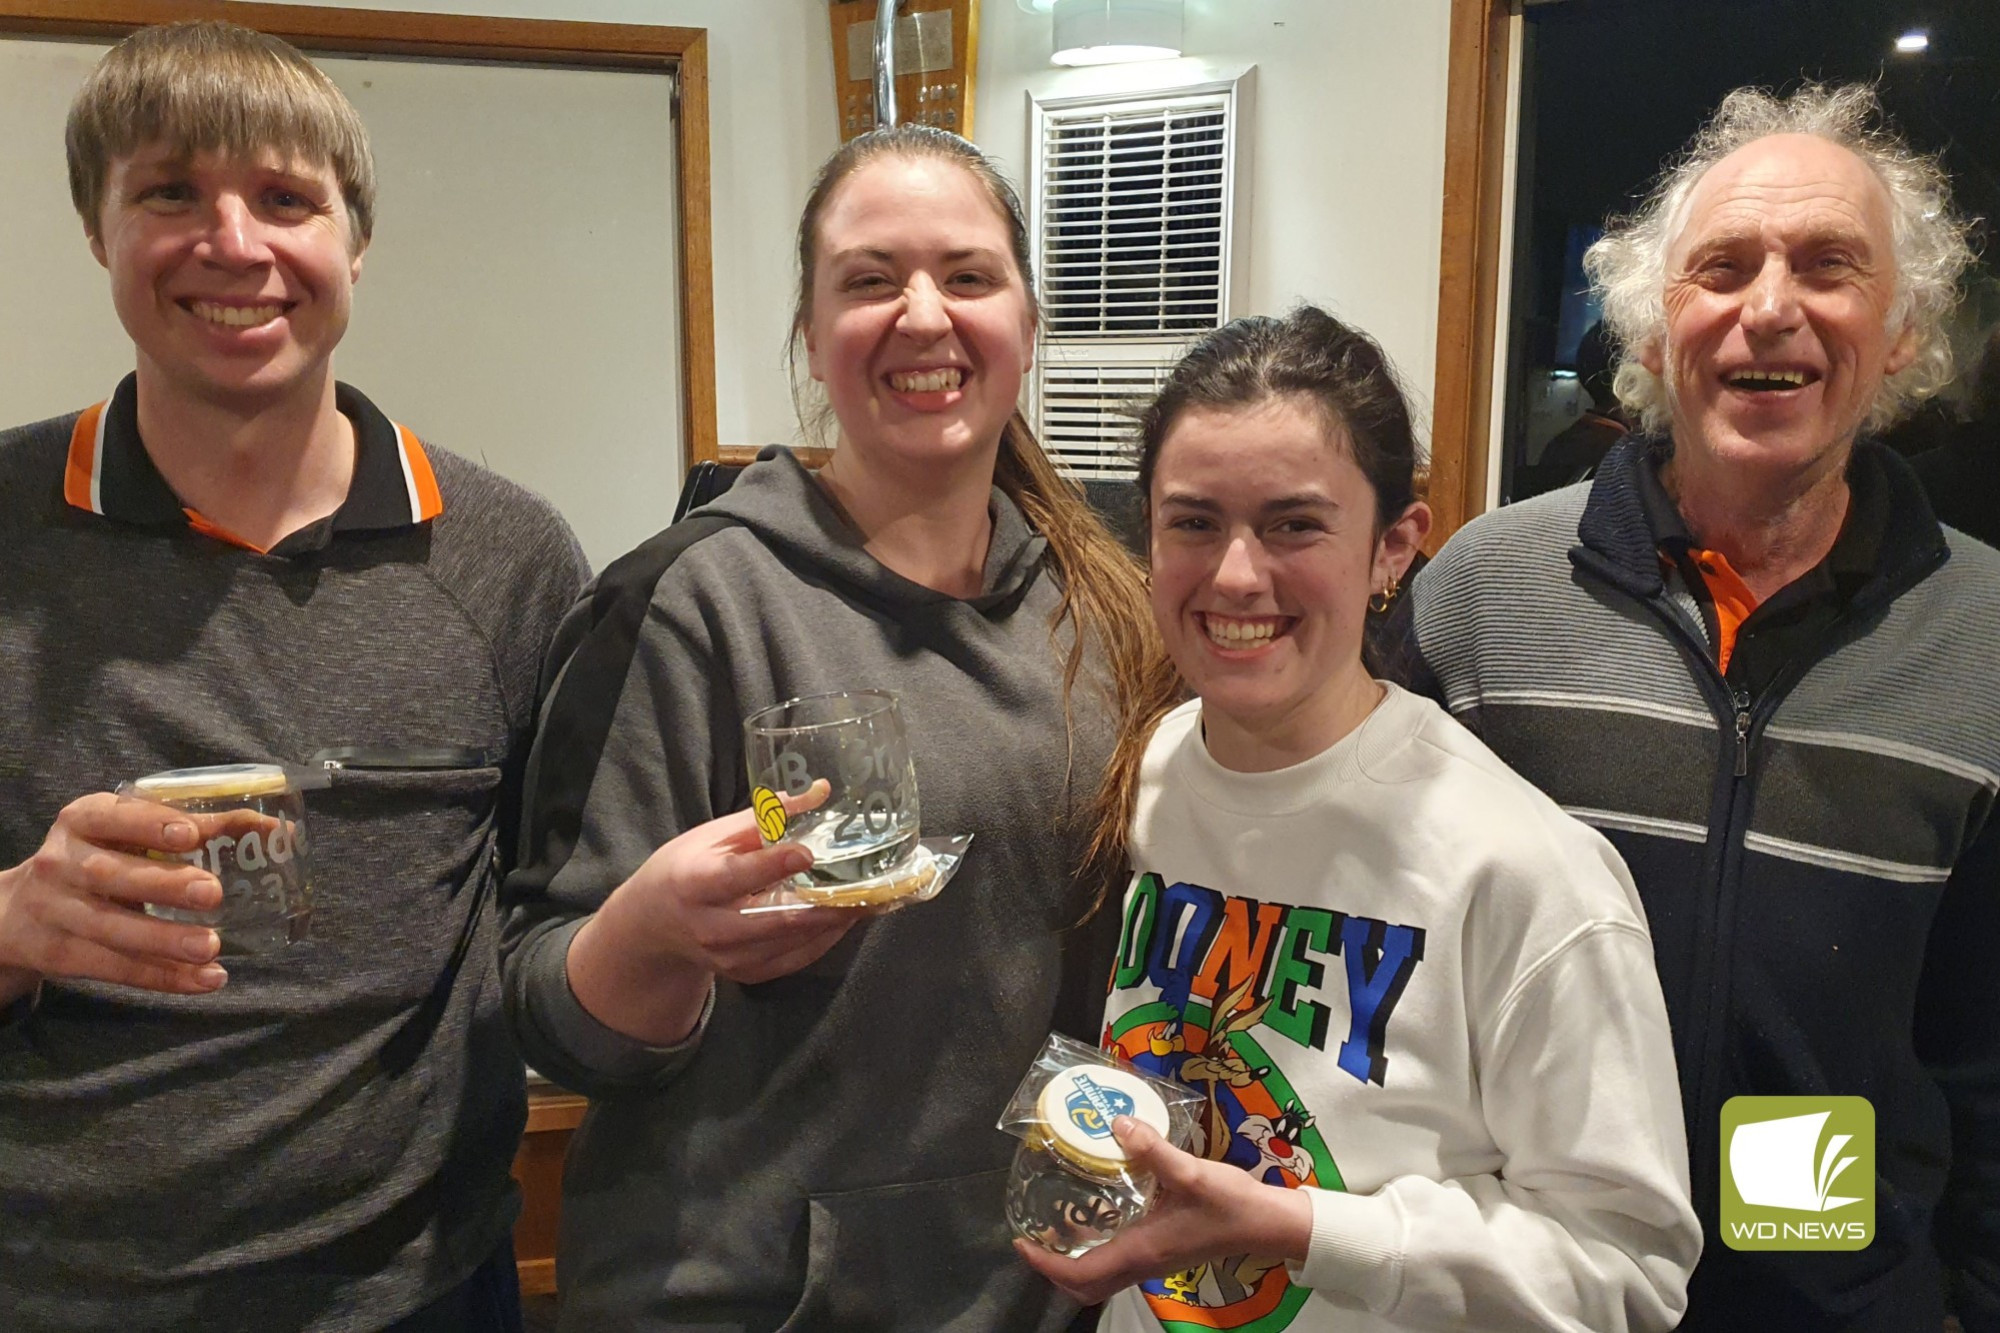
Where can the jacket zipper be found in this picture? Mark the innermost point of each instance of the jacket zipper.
(1742, 700)
(1740, 712)
(1747, 718)
(335, 759)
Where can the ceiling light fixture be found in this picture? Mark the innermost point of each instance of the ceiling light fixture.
(1913, 43)
(1105, 32)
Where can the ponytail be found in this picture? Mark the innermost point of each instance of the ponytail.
(1104, 592)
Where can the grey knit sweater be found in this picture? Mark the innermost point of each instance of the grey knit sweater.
(1819, 863)
(324, 1143)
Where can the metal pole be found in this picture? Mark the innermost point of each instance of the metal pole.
(885, 62)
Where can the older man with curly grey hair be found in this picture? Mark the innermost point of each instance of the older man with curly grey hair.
(1750, 655)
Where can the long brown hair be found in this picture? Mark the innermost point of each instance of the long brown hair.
(1310, 356)
(1103, 586)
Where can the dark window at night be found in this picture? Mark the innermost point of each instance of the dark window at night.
(1612, 88)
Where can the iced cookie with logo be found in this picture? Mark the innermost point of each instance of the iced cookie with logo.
(1071, 1187)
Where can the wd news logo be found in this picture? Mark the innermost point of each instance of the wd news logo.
(1798, 1173)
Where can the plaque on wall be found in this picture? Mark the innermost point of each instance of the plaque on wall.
(935, 49)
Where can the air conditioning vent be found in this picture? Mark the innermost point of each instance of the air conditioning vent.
(1133, 218)
(1090, 404)
(1133, 204)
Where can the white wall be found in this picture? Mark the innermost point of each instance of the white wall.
(1348, 154)
(771, 123)
(488, 317)
(1347, 147)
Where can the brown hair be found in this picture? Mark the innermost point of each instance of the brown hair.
(217, 87)
(1310, 356)
(1103, 586)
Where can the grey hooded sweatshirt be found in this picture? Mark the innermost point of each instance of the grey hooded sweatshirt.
(821, 1153)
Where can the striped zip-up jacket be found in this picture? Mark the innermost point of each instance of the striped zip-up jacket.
(1818, 864)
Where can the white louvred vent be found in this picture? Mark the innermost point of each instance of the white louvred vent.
(1089, 404)
(1133, 217)
(1133, 203)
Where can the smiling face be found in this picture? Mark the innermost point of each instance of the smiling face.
(234, 277)
(1778, 294)
(920, 324)
(1264, 555)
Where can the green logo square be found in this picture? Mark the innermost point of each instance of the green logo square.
(1798, 1173)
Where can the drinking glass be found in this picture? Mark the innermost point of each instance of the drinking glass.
(253, 841)
(863, 835)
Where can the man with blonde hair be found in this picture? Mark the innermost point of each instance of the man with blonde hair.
(236, 558)
(1749, 654)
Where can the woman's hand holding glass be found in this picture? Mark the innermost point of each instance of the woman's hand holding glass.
(643, 964)
(1204, 1210)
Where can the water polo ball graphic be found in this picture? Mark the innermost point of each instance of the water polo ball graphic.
(770, 813)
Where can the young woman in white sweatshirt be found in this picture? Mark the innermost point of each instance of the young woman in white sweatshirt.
(1416, 997)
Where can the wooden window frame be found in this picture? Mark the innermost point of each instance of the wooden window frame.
(625, 46)
(1469, 270)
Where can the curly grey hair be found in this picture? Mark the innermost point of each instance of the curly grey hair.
(1931, 246)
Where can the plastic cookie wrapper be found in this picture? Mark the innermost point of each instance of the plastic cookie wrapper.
(918, 878)
(1071, 1188)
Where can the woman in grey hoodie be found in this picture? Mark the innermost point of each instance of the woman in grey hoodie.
(792, 1119)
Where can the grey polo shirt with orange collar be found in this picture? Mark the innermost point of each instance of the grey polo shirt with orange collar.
(323, 1143)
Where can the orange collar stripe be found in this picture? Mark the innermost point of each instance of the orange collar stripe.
(220, 533)
(425, 501)
(84, 468)
(86, 454)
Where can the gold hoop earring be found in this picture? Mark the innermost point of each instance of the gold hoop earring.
(1382, 600)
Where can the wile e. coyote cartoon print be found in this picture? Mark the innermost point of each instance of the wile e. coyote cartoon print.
(1217, 993)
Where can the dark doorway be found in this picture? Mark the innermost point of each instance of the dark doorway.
(1612, 88)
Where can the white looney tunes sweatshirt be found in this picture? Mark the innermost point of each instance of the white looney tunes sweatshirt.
(1408, 983)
